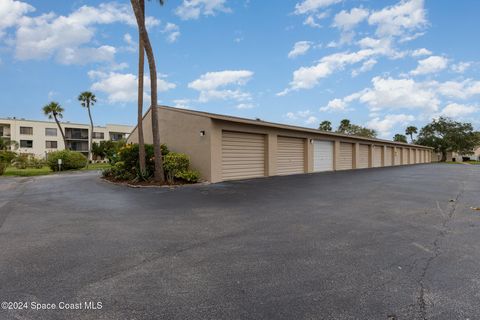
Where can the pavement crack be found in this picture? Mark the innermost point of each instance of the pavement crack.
(437, 251)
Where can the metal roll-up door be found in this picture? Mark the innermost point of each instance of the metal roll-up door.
(290, 155)
(388, 156)
(345, 159)
(397, 156)
(364, 156)
(377, 156)
(322, 156)
(411, 156)
(406, 156)
(243, 155)
(417, 156)
(422, 156)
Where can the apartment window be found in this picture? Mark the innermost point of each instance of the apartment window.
(115, 136)
(51, 144)
(52, 132)
(98, 135)
(26, 130)
(26, 143)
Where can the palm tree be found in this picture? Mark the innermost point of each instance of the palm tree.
(141, 67)
(410, 131)
(6, 144)
(159, 174)
(325, 126)
(87, 100)
(400, 138)
(344, 125)
(54, 111)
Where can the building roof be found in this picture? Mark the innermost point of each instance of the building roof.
(66, 123)
(284, 126)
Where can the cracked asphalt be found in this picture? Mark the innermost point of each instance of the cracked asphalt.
(389, 243)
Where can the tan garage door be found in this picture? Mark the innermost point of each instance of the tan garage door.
(345, 160)
(412, 156)
(417, 156)
(397, 156)
(290, 155)
(377, 156)
(243, 155)
(422, 156)
(404, 156)
(388, 156)
(364, 156)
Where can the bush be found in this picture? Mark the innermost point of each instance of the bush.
(190, 176)
(20, 161)
(3, 167)
(70, 160)
(7, 156)
(175, 163)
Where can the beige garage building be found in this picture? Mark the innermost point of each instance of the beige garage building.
(229, 148)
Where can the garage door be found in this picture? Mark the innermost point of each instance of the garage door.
(345, 160)
(388, 156)
(412, 156)
(404, 156)
(422, 156)
(377, 156)
(364, 156)
(417, 156)
(322, 156)
(243, 155)
(397, 156)
(290, 155)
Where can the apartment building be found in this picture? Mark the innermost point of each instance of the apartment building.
(40, 137)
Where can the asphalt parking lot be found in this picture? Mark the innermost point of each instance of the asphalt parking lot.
(390, 243)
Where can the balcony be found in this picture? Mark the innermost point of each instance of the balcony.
(76, 134)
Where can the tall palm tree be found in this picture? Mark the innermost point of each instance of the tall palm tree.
(54, 111)
(344, 125)
(141, 67)
(6, 144)
(87, 100)
(159, 174)
(325, 126)
(410, 131)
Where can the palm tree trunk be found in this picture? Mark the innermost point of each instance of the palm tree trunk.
(159, 174)
(90, 140)
(141, 66)
(444, 156)
(61, 131)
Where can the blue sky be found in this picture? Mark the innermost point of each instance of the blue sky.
(382, 64)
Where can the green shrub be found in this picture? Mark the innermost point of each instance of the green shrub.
(70, 160)
(20, 161)
(3, 167)
(175, 163)
(7, 156)
(36, 163)
(190, 176)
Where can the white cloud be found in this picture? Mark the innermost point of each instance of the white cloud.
(384, 126)
(366, 66)
(312, 19)
(346, 21)
(309, 6)
(455, 110)
(421, 52)
(461, 67)
(172, 31)
(193, 9)
(211, 85)
(245, 106)
(123, 87)
(460, 90)
(311, 120)
(431, 64)
(300, 48)
(11, 12)
(335, 105)
(182, 103)
(50, 35)
(397, 20)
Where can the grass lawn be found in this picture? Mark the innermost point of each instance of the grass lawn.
(31, 172)
(466, 162)
(474, 162)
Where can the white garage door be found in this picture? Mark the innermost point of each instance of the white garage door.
(397, 153)
(322, 156)
(404, 156)
(388, 156)
(345, 161)
(377, 156)
(243, 155)
(411, 156)
(364, 156)
(417, 156)
(290, 155)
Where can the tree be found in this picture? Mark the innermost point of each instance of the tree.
(87, 100)
(410, 131)
(400, 138)
(446, 135)
(54, 111)
(159, 174)
(141, 69)
(6, 144)
(325, 126)
(344, 125)
(108, 149)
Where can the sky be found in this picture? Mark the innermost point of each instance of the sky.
(382, 64)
